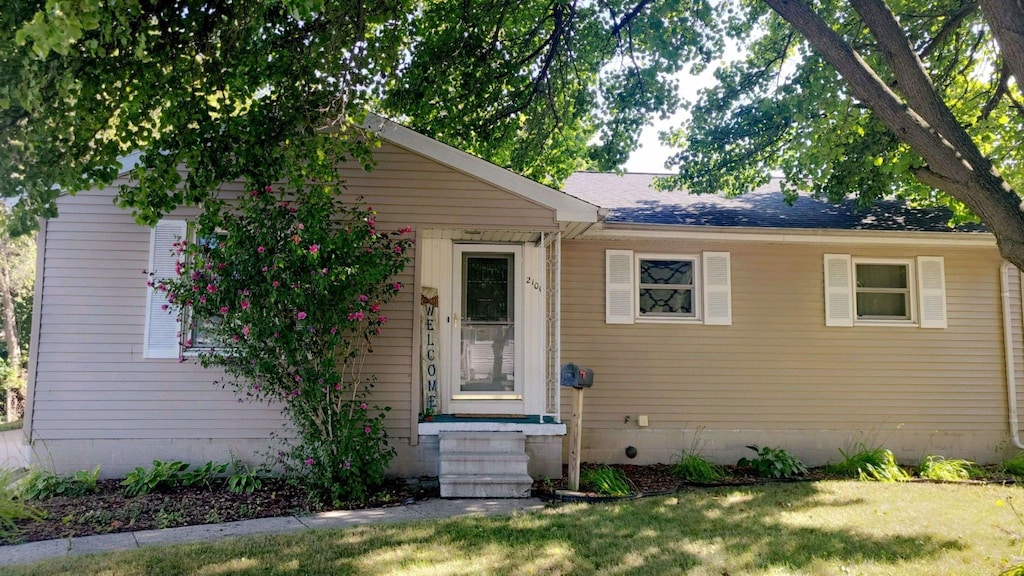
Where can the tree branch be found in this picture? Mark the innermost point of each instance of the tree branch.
(954, 21)
(629, 17)
(1006, 20)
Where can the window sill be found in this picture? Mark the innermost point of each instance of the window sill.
(887, 323)
(650, 320)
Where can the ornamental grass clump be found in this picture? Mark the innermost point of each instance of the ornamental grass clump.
(286, 295)
(947, 469)
(865, 463)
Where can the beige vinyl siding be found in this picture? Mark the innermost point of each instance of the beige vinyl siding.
(92, 382)
(778, 368)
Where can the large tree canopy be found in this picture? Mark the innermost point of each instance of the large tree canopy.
(915, 99)
(251, 89)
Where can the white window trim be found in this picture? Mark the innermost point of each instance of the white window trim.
(188, 326)
(698, 289)
(912, 296)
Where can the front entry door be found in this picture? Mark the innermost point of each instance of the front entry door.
(487, 361)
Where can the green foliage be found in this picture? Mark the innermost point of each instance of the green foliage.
(287, 297)
(947, 470)
(161, 476)
(696, 468)
(773, 463)
(204, 475)
(13, 506)
(243, 478)
(605, 480)
(244, 91)
(885, 471)
(782, 109)
(856, 461)
(1014, 465)
(43, 484)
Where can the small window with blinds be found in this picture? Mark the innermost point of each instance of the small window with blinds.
(883, 290)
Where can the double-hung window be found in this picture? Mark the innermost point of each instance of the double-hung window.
(883, 290)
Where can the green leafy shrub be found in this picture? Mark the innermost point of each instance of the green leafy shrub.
(295, 291)
(204, 475)
(773, 463)
(43, 484)
(886, 471)
(606, 481)
(13, 506)
(1014, 465)
(696, 468)
(161, 476)
(243, 478)
(947, 470)
(865, 463)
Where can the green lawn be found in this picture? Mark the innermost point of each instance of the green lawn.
(800, 528)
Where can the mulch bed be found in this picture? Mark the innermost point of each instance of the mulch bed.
(110, 511)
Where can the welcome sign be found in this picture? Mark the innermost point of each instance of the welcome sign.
(429, 352)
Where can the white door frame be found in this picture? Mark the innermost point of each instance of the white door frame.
(486, 402)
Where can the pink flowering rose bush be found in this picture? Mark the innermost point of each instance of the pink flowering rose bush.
(291, 295)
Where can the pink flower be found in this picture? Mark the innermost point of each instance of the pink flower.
(295, 392)
(323, 272)
(163, 306)
(309, 461)
(211, 288)
(275, 284)
(245, 304)
(261, 249)
(337, 386)
(245, 330)
(267, 189)
(362, 406)
(301, 315)
(314, 248)
(203, 298)
(188, 343)
(398, 249)
(383, 319)
(406, 230)
(371, 221)
(256, 387)
(296, 238)
(298, 378)
(366, 429)
(348, 464)
(277, 334)
(334, 330)
(223, 309)
(235, 338)
(363, 298)
(302, 226)
(356, 316)
(374, 307)
(397, 286)
(265, 268)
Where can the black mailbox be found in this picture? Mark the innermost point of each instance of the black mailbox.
(576, 377)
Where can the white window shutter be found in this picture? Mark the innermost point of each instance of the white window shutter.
(162, 326)
(717, 289)
(619, 289)
(931, 289)
(838, 290)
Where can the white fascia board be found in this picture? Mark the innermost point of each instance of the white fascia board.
(790, 236)
(567, 208)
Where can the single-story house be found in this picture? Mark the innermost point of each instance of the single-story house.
(708, 322)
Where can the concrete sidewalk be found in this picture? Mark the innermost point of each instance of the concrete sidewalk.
(427, 509)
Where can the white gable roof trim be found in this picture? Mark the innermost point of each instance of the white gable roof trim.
(567, 208)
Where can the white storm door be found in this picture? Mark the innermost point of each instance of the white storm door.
(487, 360)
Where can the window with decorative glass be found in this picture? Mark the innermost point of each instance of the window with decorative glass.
(883, 290)
(667, 286)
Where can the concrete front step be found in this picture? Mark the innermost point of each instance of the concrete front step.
(483, 442)
(485, 486)
(483, 462)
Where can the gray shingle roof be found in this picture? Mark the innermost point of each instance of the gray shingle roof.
(630, 199)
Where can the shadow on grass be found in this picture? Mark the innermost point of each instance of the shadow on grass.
(717, 531)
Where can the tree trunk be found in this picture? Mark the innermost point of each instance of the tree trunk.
(10, 324)
(954, 164)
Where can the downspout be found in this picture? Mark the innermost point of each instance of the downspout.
(1011, 370)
